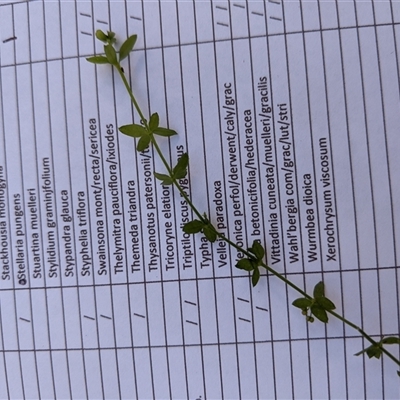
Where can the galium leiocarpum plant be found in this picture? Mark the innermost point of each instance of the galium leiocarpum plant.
(316, 306)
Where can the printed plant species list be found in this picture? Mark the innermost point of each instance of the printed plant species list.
(289, 112)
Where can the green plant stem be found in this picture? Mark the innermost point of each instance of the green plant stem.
(156, 146)
(221, 236)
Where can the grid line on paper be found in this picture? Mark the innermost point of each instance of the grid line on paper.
(102, 146)
(329, 122)
(193, 241)
(207, 344)
(89, 218)
(275, 151)
(371, 188)
(390, 180)
(345, 85)
(289, 94)
(11, 250)
(146, 48)
(232, 50)
(155, 190)
(217, 74)
(55, 205)
(308, 273)
(112, 309)
(312, 134)
(41, 235)
(131, 314)
(258, 163)
(73, 222)
(201, 110)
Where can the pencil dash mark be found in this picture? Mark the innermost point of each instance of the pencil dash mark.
(276, 18)
(137, 18)
(257, 13)
(10, 39)
(221, 8)
(102, 22)
(86, 33)
(85, 15)
(244, 319)
(261, 308)
(24, 319)
(189, 302)
(139, 315)
(191, 322)
(246, 301)
(105, 316)
(223, 24)
(274, 2)
(239, 5)
(87, 317)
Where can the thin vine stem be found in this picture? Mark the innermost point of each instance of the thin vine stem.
(255, 260)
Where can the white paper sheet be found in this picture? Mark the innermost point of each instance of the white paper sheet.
(289, 112)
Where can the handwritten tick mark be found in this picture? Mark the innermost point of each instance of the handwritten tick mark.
(10, 39)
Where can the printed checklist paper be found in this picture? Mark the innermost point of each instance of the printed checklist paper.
(289, 112)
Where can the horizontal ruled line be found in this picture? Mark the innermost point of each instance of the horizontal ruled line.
(157, 282)
(230, 343)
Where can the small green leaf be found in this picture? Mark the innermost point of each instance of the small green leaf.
(143, 142)
(111, 36)
(319, 313)
(164, 132)
(194, 226)
(319, 290)
(111, 54)
(391, 340)
(256, 276)
(98, 60)
(245, 264)
(133, 130)
(374, 351)
(165, 179)
(325, 303)
(101, 36)
(209, 233)
(127, 47)
(154, 120)
(258, 250)
(180, 169)
(302, 303)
